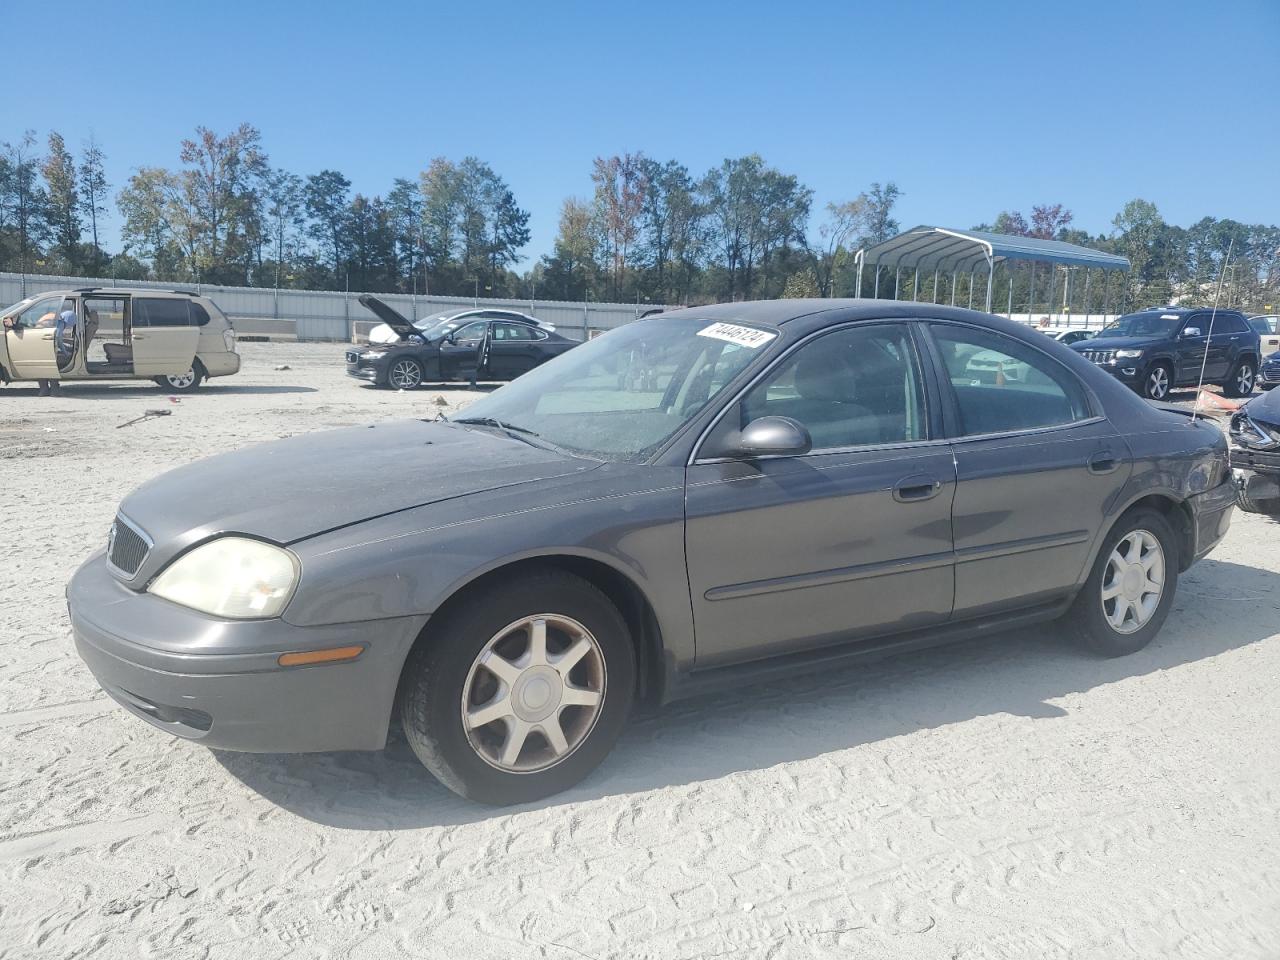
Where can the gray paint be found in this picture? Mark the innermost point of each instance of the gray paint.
(781, 557)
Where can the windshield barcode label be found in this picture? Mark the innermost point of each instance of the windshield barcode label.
(742, 336)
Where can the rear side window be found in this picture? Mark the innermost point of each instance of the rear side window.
(1002, 385)
(162, 313)
(1230, 323)
(199, 315)
(512, 331)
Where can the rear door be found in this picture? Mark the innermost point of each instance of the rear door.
(164, 336)
(1036, 466)
(513, 349)
(1229, 337)
(31, 341)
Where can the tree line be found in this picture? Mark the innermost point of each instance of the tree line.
(648, 230)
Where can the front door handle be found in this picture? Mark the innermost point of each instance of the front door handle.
(1104, 462)
(919, 487)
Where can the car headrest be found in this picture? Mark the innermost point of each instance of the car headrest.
(823, 376)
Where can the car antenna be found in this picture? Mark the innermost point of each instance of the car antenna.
(1208, 340)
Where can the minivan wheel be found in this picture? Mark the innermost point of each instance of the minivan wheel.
(1240, 383)
(519, 691)
(1130, 589)
(182, 382)
(1157, 383)
(404, 374)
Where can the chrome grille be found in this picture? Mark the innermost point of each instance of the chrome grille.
(353, 357)
(1271, 371)
(126, 547)
(1099, 356)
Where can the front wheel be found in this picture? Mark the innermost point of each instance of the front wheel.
(1130, 589)
(404, 374)
(187, 382)
(1157, 383)
(522, 690)
(1240, 383)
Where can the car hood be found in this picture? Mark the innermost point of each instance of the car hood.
(1265, 408)
(288, 490)
(394, 320)
(1116, 343)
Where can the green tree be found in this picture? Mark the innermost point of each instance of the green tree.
(64, 200)
(93, 193)
(328, 207)
(23, 199)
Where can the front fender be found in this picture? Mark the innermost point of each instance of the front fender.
(629, 517)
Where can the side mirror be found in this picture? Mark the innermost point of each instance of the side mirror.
(1191, 331)
(770, 437)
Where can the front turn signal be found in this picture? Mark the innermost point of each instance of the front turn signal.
(332, 655)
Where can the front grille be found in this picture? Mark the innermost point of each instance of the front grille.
(1099, 356)
(126, 547)
(1270, 372)
(353, 357)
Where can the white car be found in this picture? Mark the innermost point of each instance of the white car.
(1070, 336)
(1268, 327)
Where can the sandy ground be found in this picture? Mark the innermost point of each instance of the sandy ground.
(1010, 798)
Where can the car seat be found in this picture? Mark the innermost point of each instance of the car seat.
(118, 353)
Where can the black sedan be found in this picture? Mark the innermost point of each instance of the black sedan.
(715, 496)
(485, 345)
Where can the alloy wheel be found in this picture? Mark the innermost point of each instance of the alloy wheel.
(1158, 383)
(182, 381)
(404, 374)
(534, 693)
(1133, 581)
(1244, 379)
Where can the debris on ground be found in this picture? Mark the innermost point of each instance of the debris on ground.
(283, 366)
(146, 415)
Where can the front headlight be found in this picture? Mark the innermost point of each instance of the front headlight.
(231, 577)
(1128, 354)
(373, 355)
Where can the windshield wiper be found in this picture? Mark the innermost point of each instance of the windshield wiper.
(507, 428)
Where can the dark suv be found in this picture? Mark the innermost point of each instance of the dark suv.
(1159, 349)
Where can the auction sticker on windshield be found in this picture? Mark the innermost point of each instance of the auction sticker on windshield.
(742, 336)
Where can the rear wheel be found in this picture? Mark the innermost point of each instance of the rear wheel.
(1128, 594)
(520, 691)
(404, 374)
(183, 382)
(1158, 381)
(1240, 383)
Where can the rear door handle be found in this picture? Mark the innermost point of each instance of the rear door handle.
(919, 487)
(1103, 462)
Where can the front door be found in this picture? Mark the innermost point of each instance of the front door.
(163, 336)
(850, 540)
(460, 354)
(31, 340)
(1192, 348)
(1036, 469)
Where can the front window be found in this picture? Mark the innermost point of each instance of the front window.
(624, 394)
(1144, 325)
(36, 313)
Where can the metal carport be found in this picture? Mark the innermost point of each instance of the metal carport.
(957, 252)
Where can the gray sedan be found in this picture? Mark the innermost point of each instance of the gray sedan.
(716, 496)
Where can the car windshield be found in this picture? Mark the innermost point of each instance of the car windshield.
(622, 395)
(1144, 325)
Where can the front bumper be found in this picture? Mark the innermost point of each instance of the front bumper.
(371, 371)
(1257, 477)
(218, 682)
(1211, 513)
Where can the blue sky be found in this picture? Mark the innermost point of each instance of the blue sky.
(971, 108)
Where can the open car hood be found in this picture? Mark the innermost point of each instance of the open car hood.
(396, 321)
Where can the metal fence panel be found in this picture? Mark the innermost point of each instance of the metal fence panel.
(330, 315)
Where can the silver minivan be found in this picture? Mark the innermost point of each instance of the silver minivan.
(173, 337)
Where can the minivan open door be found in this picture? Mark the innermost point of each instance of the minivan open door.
(32, 340)
(163, 335)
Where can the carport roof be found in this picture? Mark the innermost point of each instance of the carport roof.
(943, 248)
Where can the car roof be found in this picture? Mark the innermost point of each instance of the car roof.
(813, 313)
(115, 292)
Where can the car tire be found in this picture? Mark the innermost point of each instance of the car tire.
(1157, 382)
(1241, 380)
(404, 374)
(188, 382)
(503, 753)
(1096, 620)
